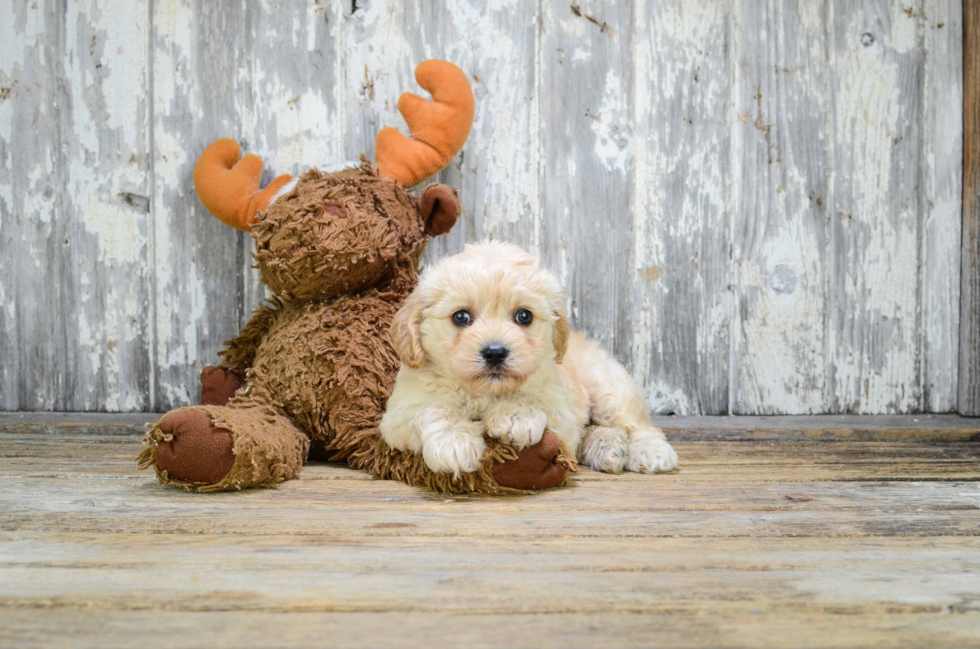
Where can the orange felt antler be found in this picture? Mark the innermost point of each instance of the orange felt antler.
(229, 187)
(439, 127)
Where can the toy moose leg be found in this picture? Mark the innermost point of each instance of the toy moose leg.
(220, 448)
(245, 444)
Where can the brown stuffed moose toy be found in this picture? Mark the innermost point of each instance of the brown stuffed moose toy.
(310, 373)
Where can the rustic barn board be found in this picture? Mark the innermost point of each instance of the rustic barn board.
(336, 574)
(383, 41)
(754, 205)
(201, 85)
(940, 203)
(759, 544)
(780, 140)
(34, 326)
(776, 627)
(969, 352)
(75, 208)
(681, 114)
(876, 76)
(105, 140)
(586, 139)
(293, 108)
(497, 171)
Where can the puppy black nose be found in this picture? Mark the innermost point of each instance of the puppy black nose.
(493, 354)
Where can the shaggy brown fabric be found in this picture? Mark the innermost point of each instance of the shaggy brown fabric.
(218, 386)
(267, 448)
(341, 253)
(304, 251)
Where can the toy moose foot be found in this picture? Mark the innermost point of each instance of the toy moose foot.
(222, 448)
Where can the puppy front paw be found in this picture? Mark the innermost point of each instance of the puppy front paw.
(519, 426)
(649, 452)
(453, 450)
(605, 449)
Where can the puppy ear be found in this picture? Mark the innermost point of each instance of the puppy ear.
(559, 336)
(406, 335)
(439, 207)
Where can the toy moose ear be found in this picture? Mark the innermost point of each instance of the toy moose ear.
(439, 207)
(439, 127)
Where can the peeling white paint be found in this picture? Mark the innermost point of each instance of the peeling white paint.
(663, 400)
(611, 125)
(722, 183)
(305, 124)
(876, 370)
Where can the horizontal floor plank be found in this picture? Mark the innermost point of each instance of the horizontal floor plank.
(817, 427)
(290, 574)
(247, 629)
(867, 538)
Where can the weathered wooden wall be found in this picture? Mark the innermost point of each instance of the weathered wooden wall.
(756, 204)
(969, 397)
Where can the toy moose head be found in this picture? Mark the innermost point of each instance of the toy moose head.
(315, 366)
(360, 219)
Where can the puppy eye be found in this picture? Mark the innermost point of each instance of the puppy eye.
(462, 318)
(523, 317)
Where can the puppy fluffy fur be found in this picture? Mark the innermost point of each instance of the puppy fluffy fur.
(451, 391)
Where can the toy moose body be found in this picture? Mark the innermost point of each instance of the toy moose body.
(312, 370)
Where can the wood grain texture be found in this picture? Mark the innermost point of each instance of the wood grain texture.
(779, 230)
(587, 143)
(941, 189)
(74, 207)
(201, 83)
(876, 76)
(293, 105)
(751, 543)
(754, 205)
(681, 115)
(969, 347)
(498, 170)
(46, 626)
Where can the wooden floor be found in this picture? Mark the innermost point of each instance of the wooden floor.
(806, 532)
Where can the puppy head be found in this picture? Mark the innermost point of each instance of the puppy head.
(489, 317)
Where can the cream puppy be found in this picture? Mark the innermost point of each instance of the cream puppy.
(485, 349)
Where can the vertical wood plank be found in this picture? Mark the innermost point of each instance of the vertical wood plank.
(876, 62)
(969, 361)
(940, 202)
(33, 239)
(200, 78)
(383, 44)
(587, 142)
(293, 108)
(496, 171)
(682, 113)
(105, 140)
(780, 202)
(76, 217)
